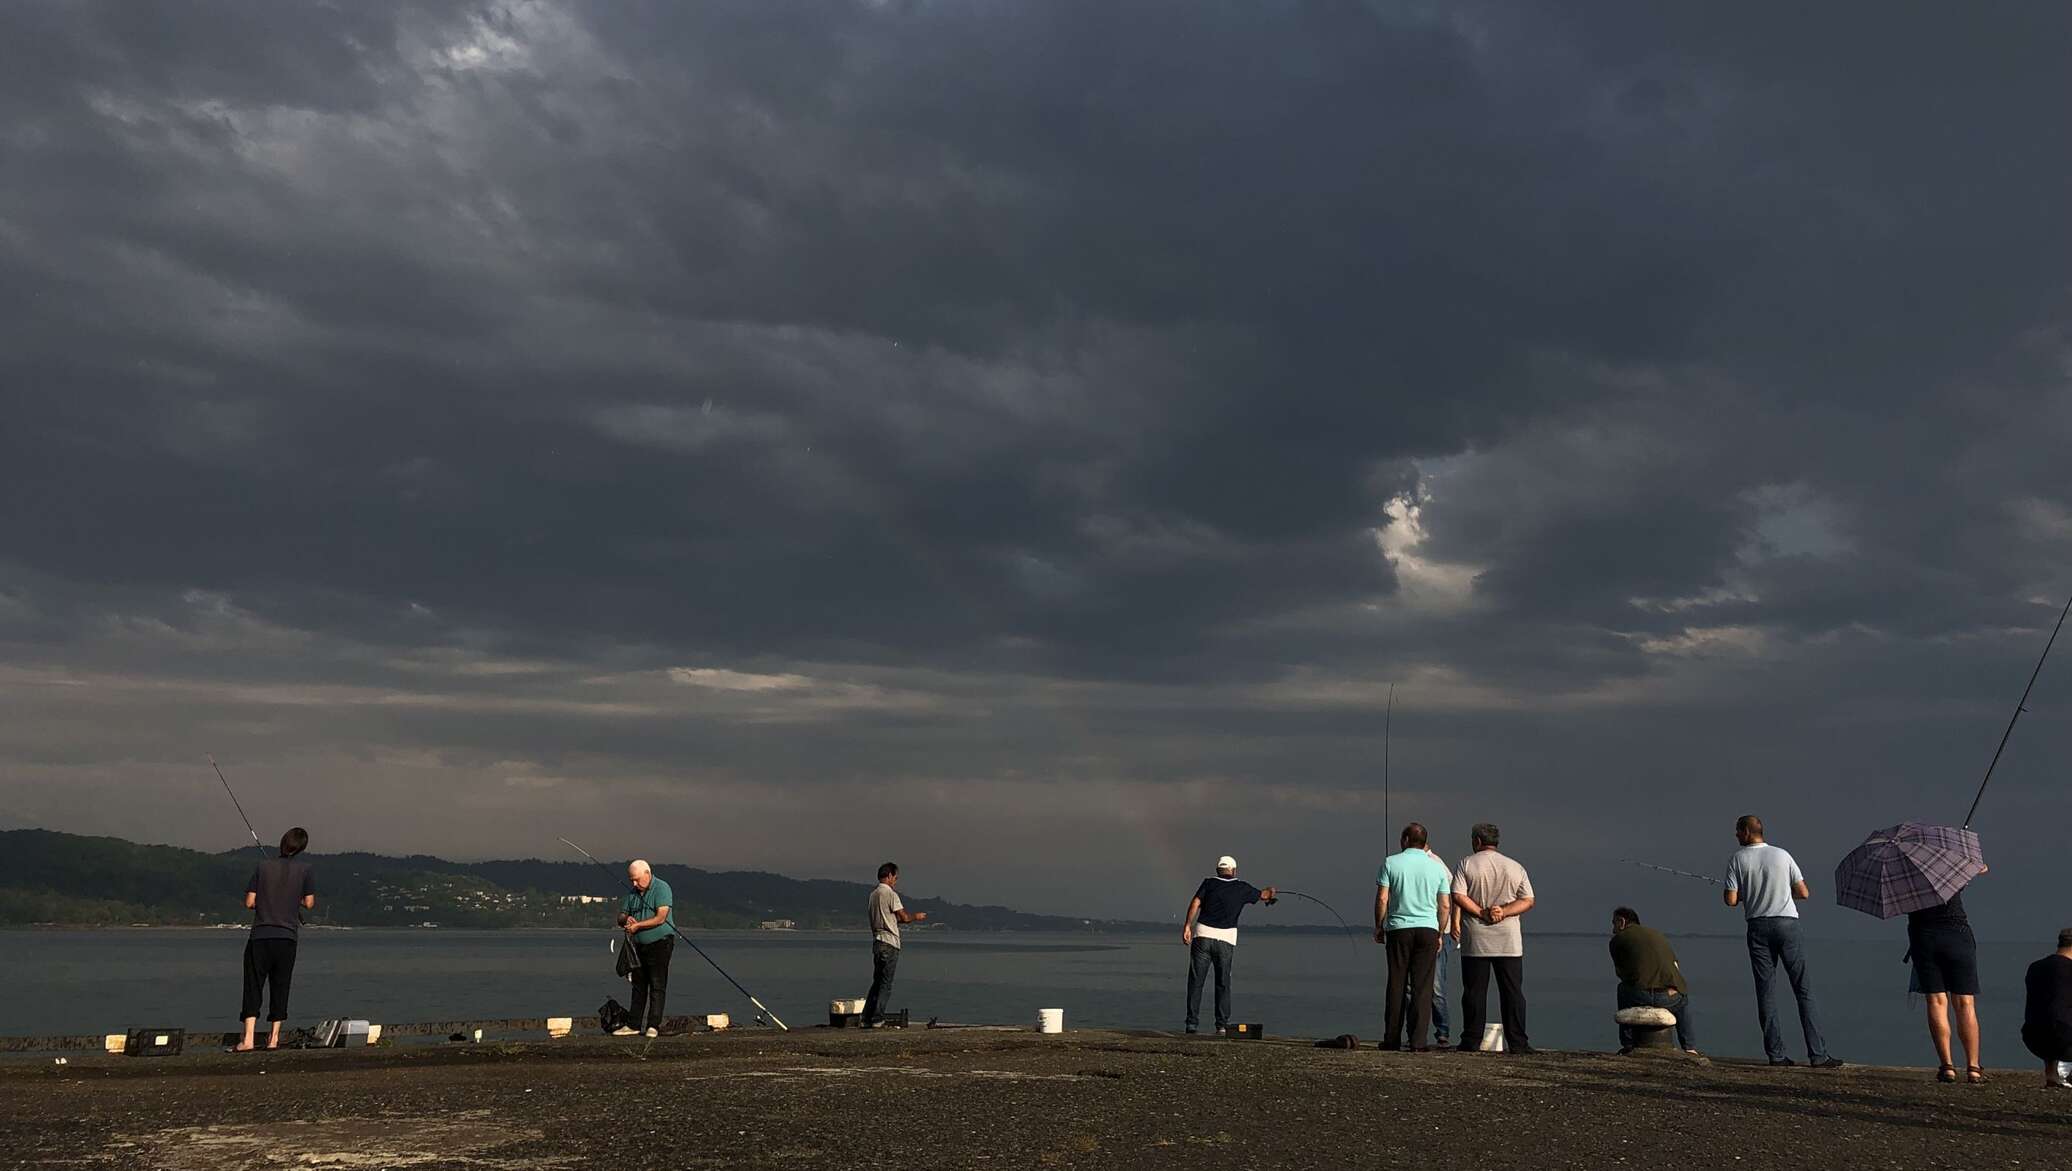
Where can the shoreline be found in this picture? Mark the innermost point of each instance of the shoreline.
(970, 1098)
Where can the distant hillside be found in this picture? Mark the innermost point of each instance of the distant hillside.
(50, 877)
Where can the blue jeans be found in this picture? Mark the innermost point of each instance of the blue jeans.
(1772, 940)
(1203, 955)
(1678, 1003)
(884, 966)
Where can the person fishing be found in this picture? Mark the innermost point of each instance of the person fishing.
(280, 889)
(1945, 956)
(644, 916)
(1649, 976)
(1767, 885)
(886, 913)
(1210, 933)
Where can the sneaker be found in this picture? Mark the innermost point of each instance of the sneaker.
(652, 1032)
(1443, 1041)
(1522, 1051)
(1191, 1030)
(873, 1024)
(1829, 1063)
(624, 1031)
(1782, 1061)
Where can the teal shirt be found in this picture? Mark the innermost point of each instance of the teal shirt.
(1415, 880)
(644, 904)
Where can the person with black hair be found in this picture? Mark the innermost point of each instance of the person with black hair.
(280, 890)
(2047, 1010)
(886, 913)
(1649, 976)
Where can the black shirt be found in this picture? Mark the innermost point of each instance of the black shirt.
(2049, 1005)
(1950, 914)
(277, 887)
(1222, 899)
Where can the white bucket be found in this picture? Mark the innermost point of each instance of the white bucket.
(1050, 1020)
(1492, 1039)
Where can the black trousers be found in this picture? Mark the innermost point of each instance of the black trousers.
(884, 966)
(269, 964)
(1413, 953)
(1474, 998)
(650, 982)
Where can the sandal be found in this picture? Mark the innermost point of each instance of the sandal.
(1975, 1074)
(1945, 1073)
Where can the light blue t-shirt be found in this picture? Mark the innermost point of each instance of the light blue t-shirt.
(1764, 875)
(1414, 880)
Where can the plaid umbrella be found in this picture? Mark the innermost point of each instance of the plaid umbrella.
(1909, 867)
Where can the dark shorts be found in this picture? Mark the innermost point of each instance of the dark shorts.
(1945, 960)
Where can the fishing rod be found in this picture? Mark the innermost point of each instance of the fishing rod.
(2021, 705)
(1674, 870)
(256, 844)
(1388, 720)
(671, 922)
(1355, 939)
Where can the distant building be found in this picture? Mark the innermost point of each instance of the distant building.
(584, 900)
(778, 925)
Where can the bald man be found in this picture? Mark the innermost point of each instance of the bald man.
(644, 914)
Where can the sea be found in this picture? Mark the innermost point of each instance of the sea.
(1295, 984)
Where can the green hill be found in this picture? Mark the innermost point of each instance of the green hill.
(48, 877)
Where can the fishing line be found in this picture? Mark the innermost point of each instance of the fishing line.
(671, 921)
(1355, 939)
(1672, 870)
(256, 844)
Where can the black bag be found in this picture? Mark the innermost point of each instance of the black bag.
(611, 1015)
(628, 961)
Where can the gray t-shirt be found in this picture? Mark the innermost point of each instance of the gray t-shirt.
(884, 922)
(1491, 880)
(277, 889)
(1764, 875)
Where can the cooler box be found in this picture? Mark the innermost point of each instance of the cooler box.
(845, 1014)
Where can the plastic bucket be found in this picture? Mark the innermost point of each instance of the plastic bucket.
(1050, 1020)
(1493, 1039)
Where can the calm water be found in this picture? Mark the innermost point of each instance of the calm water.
(1303, 985)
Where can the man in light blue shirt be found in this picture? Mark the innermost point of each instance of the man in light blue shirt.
(1766, 884)
(1412, 897)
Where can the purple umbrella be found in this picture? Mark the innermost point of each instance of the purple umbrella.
(1909, 867)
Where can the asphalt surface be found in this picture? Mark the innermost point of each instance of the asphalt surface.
(953, 1098)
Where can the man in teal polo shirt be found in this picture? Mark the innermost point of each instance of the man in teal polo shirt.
(1411, 900)
(644, 913)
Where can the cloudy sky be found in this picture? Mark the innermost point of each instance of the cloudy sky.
(1027, 440)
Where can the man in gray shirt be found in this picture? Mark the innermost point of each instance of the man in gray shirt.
(1490, 892)
(886, 913)
(1766, 884)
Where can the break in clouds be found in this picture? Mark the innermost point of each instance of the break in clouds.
(1026, 440)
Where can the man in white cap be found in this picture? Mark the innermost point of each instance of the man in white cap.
(1210, 933)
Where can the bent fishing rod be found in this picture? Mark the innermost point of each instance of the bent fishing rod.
(2021, 705)
(671, 921)
(1349, 934)
(256, 844)
(1673, 870)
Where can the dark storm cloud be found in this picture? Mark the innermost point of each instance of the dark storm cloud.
(1046, 405)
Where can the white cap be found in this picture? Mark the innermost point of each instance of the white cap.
(1226, 862)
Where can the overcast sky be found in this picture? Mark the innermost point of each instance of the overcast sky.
(1026, 440)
